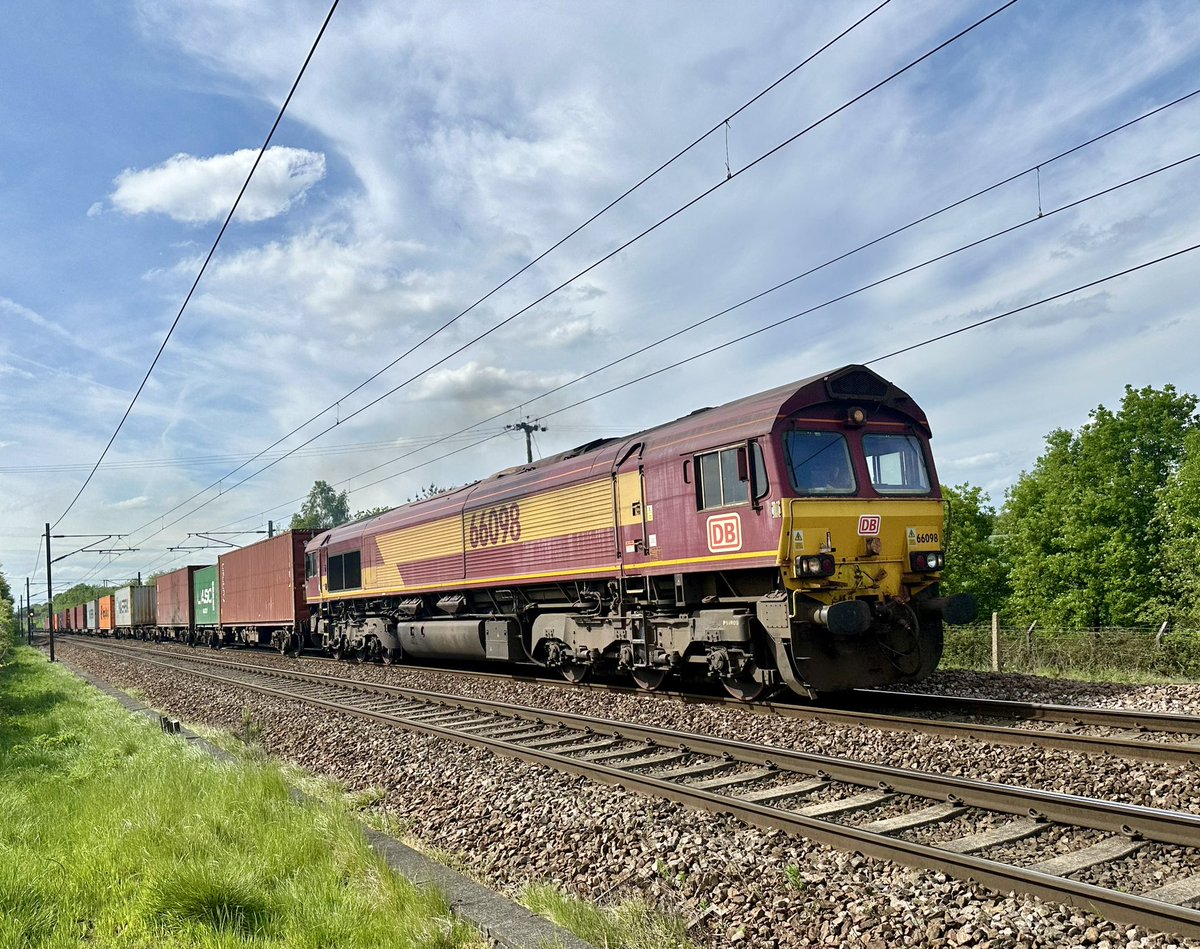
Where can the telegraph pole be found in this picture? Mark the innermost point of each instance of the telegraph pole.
(49, 593)
(29, 617)
(528, 428)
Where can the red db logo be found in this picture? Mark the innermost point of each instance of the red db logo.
(724, 533)
(868, 525)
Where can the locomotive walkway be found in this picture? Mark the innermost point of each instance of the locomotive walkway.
(933, 820)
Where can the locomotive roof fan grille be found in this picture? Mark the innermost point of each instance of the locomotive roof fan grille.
(858, 383)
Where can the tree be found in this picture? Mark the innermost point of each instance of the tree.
(1178, 518)
(974, 562)
(1080, 529)
(322, 509)
(430, 490)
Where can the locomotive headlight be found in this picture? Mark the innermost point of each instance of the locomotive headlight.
(925, 561)
(821, 566)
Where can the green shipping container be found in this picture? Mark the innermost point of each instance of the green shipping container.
(208, 597)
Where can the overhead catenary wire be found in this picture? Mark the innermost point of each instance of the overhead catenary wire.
(1076, 203)
(625, 245)
(1040, 216)
(204, 266)
(533, 262)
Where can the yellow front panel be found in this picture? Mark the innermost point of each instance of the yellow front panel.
(848, 529)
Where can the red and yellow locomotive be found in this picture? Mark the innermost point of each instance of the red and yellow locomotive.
(792, 537)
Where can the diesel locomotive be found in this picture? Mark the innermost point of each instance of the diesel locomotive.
(791, 538)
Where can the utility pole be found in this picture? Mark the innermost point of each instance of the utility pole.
(528, 428)
(29, 617)
(49, 593)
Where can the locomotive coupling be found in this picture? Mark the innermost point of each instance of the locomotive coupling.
(847, 618)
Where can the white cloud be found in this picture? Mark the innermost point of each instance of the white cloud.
(196, 190)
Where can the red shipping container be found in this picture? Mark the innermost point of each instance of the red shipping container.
(263, 584)
(176, 607)
(79, 617)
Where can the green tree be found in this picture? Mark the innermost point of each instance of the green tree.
(322, 509)
(974, 561)
(1178, 518)
(8, 620)
(1080, 531)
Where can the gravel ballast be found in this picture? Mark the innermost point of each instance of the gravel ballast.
(510, 824)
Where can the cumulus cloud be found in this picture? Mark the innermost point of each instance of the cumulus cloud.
(196, 190)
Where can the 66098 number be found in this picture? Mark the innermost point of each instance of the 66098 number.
(494, 525)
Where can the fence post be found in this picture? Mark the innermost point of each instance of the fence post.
(995, 642)
(1029, 646)
(1162, 631)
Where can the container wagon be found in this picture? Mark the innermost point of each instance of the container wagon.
(262, 599)
(175, 604)
(206, 605)
(134, 612)
(106, 608)
(92, 623)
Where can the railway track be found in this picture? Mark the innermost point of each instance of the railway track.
(1151, 736)
(1154, 736)
(914, 818)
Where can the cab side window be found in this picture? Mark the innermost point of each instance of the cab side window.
(722, 478)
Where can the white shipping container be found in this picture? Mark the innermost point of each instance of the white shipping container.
(135, 606)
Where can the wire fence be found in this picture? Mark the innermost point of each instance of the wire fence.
(1108, 652)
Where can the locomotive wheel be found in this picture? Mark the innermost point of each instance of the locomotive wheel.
(575, 672)
(648, 679)
(745, 688)
(391, 657)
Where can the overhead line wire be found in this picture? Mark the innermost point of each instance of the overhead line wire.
(613, 203)
(204, 267)
(1034, 219)
(777, 148)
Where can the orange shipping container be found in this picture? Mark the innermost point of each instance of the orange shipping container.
(107, 611)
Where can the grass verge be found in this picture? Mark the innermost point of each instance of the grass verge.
(114, 834)
(629, 925)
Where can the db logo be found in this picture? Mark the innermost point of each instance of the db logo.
(724, 532)
(868, 525)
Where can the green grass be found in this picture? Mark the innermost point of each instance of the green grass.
(113, 834)
(630, 925)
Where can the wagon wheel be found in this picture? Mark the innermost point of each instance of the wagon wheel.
(648, 679)
(391, 657)
(575, 672)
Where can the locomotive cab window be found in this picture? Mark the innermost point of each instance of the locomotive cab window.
(310, 566)
(819, 462)
(722, 478)
(896, 463)
(345, 571)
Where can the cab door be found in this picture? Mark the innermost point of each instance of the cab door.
(633, 516)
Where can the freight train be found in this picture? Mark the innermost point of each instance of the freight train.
(793, 538)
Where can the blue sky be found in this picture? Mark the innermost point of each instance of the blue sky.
(433, 149)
